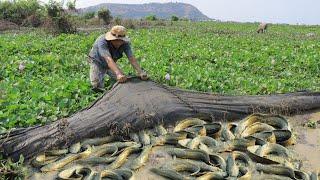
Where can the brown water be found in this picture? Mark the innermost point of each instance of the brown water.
(308, 140)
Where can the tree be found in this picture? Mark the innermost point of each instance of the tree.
(151, 18)
(54, 9)
(174, 18)
(72, 5)
(105, 15)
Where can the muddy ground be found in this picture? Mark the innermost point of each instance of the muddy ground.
(308, 140)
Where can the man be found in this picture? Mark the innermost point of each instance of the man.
(106, 50)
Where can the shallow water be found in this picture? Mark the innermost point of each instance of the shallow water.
(308, 141)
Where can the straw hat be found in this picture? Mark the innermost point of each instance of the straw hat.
(117, 32)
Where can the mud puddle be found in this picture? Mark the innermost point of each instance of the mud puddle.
(308, 140)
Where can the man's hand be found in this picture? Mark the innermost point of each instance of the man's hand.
(121, 78)
(143, 76)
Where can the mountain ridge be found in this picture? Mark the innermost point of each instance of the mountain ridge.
(161, 10)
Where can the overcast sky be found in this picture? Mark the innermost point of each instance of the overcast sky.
(276, 11)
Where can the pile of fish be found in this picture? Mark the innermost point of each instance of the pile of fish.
(254, 148)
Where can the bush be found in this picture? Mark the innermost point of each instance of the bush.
(32, 21)
(151, 18)
(58, 21)
(19, 10)
(7, 25)
(105, 15)
(117, 21)
(174, 18)
(128, 23)
(89, 15)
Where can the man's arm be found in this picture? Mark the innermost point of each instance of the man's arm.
(136, 66)
(115, 69)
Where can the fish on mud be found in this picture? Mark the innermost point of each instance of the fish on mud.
(134, 137)
(213, 129)
(66, 160)
(209, 141)
(43, 159)
(188, 123)
(252, 152)
(221, 147)
(226, 132)
(243, 158)
(108, 174)
(168, 173)
(122, 158)
(182, 166)
(144, 138)
(99, 141)
(239, 144)
(279, 159)
(278, 122)
(102, 150)
(273, 149)
(245, 173)
(217, 175)
(97, 160)
(195, 154)
(57, 152)
(142, 158)
(256, 128)
(170, 138)
(185, 142)
(218, 161)
(232, 168)
(267, 136)
(284, 137)
(301, 175)
(75, 148)
(276, 169)
(198, 130)
(160, 130)
(70, 172)
(203, 166)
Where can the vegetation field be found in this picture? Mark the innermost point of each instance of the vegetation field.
(227, 58)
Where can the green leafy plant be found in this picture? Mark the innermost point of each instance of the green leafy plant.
(105, 15)
(174, 18)
(151, 17)
(312, 124)
(226, 58)
(12, 170)
(17, 11)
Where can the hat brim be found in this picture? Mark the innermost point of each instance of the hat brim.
(110, 37)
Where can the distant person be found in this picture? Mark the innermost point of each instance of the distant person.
(106, 50)
(262, 28)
